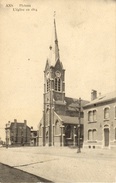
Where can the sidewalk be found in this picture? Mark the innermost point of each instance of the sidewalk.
(63, 164)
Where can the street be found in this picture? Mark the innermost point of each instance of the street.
(63, 164)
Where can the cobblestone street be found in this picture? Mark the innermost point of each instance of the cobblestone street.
(63, 164)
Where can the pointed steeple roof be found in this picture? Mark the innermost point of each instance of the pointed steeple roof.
(56, 43)
(54, 55)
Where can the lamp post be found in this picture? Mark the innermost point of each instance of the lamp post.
(79, 125)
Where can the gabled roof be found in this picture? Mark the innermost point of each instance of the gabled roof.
(73, 103)
(70, 119)
(103, 98)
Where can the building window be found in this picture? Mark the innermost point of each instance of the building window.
(89, 114)
(92, 135)
(57, 128)
(57, 85)
(48, 85)
(92, 116)
(106, 113)
(47, 116)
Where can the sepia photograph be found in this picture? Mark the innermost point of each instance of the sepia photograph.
(57, 91)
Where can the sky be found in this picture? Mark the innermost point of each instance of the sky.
(86, 32)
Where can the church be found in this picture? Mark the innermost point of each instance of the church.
(63, 117)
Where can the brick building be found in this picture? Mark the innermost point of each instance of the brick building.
(17, 133)
(59, 124)
(100, 121)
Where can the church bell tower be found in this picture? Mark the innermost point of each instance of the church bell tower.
(54, 89)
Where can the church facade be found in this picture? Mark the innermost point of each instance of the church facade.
(62, 116)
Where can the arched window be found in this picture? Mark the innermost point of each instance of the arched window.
(48, 85)
(90, 116)
(94, 115)
(47, 115)
(57, 128)
(92, 135)
(106, 113)
(89, 134)
(57, 84)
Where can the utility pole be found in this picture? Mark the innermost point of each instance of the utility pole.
(79, 126)
(50, 123)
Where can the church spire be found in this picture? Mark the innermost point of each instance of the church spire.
(54, 55)
(56, 41)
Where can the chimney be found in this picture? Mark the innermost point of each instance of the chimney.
(25, 122)
(15, 120)
(93, 94)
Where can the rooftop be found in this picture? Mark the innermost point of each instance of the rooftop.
(103, 98)
(73, 104)
(70, 119)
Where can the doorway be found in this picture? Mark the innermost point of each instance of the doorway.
(106, 137)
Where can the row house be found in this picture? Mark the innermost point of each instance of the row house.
(100, 121)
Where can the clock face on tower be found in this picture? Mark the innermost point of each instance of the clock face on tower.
(58, 73)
